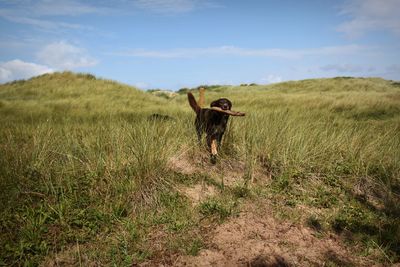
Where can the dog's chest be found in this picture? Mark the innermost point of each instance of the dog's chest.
(217, 122)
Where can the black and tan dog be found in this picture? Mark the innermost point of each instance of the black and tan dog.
(212, 121)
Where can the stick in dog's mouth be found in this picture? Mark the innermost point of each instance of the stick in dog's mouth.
(229, 112)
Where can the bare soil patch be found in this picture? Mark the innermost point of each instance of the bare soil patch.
(182, 163)
(256, 238)
(228, 172)
(198, 192)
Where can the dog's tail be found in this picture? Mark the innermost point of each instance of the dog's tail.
(193, 103)
(201, 97)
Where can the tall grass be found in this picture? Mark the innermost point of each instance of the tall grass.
(82, 163)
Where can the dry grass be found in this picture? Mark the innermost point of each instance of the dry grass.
(82, 166)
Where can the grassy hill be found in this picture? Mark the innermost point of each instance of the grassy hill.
(76, 95)
(86, 176)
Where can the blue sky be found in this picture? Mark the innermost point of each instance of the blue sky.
(172, 44)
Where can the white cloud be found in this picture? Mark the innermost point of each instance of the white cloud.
(44, 14)
(40, 14)
(237, 51)
(174, 6)
(142, 85)
(40, 23)
(272, 78)
(38, 8)
(64, 56)
(167, 6)
(347, 68)
(393, 69)
(17, 69)
(66, 8)
(370, 15)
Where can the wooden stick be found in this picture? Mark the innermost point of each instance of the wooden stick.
(229, 112)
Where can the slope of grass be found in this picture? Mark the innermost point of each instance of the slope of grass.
(80, 96)
(85, 175)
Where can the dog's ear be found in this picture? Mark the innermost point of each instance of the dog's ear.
(215, 103)
(230, 104)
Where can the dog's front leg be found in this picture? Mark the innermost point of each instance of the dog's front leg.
(212, 146)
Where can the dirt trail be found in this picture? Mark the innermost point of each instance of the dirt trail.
(257, 238)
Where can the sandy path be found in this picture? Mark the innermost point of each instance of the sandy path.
(255, 238)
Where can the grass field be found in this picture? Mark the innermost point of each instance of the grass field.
(86, 176)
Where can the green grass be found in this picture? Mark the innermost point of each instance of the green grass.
(84, 173)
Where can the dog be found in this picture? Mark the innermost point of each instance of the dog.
(213, 121)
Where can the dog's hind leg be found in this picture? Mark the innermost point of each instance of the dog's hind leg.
(199, 138)
(219, 139)
(199, 134)
(199, 129)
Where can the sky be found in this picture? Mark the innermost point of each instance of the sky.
(172, 44)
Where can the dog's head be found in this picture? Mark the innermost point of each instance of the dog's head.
(222, 103)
